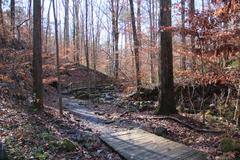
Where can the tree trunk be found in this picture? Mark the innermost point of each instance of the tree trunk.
(183, 36)
(66, 27)
(115, 30)
(166, 95)
(12, 6)
(77, 32)
(136, 46)
(47, 29)
(139, 27)
(152, 40)
(37, 55)
(2, 27)
(191, 16)
(203, 5)
(30, 21)
(86, 34)
(57, 59)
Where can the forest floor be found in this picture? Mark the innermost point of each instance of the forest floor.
(29, 134)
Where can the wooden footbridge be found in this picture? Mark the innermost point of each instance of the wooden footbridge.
(138, 144)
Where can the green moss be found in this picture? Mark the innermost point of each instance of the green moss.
(68, 145)
(229, 144)
(41, 155)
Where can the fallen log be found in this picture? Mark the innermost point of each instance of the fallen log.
(184, 124)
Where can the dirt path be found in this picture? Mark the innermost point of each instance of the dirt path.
(96, 120)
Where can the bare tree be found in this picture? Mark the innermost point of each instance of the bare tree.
(2, 28)
(37, 55)
(183, 58)
(136, 46)
(191, 15)
(77, 32)
(66, 27)
(12, 6)
(166, 95)
(47, 29)
(86, 34)
(152, 38)
(57, 58)
(115, 32)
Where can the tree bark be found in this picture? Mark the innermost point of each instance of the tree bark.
(86, 34)
(77, 32)
(191, 16)
(37, 55)
(115, 32)
(152, 40)
(166, 95)
(136, 46)
(47, 29)
(57, 59)
(12, 6)
(183, 36)
(2, 27)
(139, 27)
(66, 27)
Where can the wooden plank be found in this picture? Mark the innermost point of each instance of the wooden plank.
(137, 144)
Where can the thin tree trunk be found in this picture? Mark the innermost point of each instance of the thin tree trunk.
(151, 29)
(2, 27)
(66, 28)
(12, 6)
(37, 55)
(136, 46)
(57, 59)
(30, 21)
(115, 30)
(166, 95)
(86, 34)
(203, 5)
(47, 29)
(139, 27)
(93, 38)
(183, 57)
(191, 15)
(77, 32)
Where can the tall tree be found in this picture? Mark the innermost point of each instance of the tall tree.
(152, 38)
(166, 95)
(115, 33)
(191, 16)
(183, 58)
(77, 36)
(136, 46)
(12, 6)
(48, 25)
(86, 34)
(66, 27)
(139, 27)
(37, 55)
(2, 28)
(57, 58)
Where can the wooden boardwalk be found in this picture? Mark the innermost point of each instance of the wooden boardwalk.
(137, 144)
